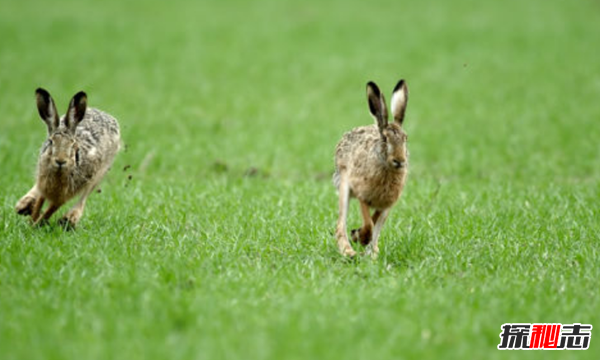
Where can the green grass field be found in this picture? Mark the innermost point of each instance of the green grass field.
(217, 242)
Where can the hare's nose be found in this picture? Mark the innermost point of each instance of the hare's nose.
(60, 163)
(399, 164)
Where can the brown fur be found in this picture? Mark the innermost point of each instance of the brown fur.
(78, 152)
(371, 165)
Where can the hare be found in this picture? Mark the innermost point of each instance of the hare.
(371, 164)
(78, 152)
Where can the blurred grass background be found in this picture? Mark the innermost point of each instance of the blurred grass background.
(220, 245)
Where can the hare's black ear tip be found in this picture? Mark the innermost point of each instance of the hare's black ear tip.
(401, 84)
(80, 96)
(372, 86)
(41, 91)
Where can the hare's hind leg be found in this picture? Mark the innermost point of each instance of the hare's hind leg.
(364, 234)
(26, 204)
(341, 233)
(380, 216)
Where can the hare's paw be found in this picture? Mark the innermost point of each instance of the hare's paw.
(25, 205)
(362, 236)
(348, 252)
(40, 222)
(70, 220)
(372, 251)
(343, 244)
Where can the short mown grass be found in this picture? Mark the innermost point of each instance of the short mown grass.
(212, 237)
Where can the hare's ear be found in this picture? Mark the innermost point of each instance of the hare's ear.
(76, 111)
(47, 109)
(377, 105)
(399, 101)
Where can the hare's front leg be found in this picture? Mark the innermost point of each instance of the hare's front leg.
(364, 234)
(37, 208)
(341, 233)
(380, 216)
(72, 217)
(43, 220)
(26, 204)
